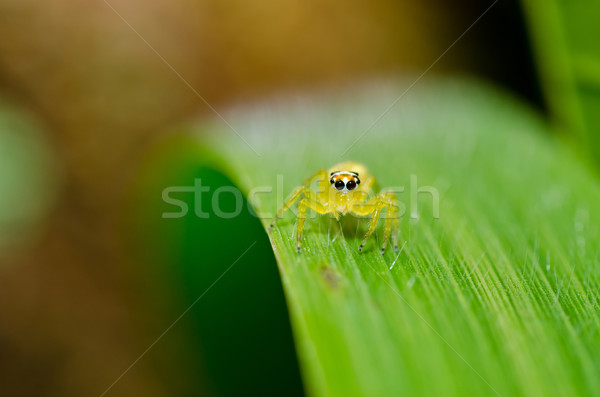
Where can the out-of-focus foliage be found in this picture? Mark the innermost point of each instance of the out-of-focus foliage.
(28, 176)
(566, 39)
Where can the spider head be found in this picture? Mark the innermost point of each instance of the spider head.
(344, 181)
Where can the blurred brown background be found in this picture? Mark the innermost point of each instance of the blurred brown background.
(74, 313)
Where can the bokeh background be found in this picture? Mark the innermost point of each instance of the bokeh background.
(88, 90)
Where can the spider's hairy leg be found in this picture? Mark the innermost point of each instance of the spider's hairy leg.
(315, 206)
(321, 175)
(374, 207)
(391, 222)
(296, 193)
(395, 230)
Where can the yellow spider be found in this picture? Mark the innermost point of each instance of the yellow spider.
(341, 191)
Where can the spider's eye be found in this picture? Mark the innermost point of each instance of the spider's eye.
(350, 185)
(332, 181)
(339, 184)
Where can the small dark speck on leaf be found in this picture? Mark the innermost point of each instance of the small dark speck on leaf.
(330, 276)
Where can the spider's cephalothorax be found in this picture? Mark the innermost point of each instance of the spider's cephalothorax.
(341, 190)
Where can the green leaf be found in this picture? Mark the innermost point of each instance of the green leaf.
(496, 296)
(215, 281)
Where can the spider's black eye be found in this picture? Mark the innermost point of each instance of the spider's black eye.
(331, 181)
(350, 185)
(339, 184)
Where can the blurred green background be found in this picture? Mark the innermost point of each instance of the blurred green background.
(87, 111)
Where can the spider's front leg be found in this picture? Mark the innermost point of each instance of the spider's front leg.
(374, 207)
(297, 193)
(310, 200)
(315, 206)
